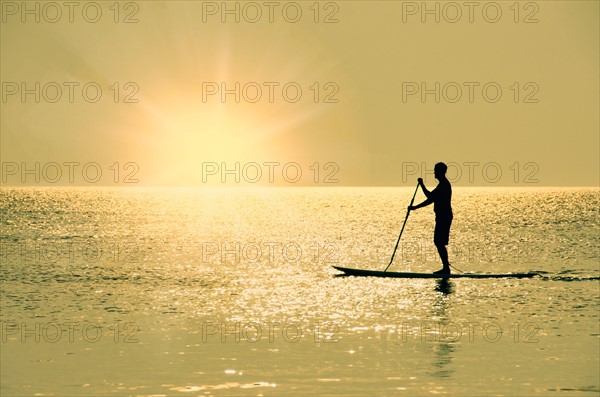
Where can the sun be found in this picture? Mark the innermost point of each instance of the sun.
(191, 136)
(176, 126)
(212, 135)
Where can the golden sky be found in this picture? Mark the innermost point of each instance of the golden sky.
(361, 67)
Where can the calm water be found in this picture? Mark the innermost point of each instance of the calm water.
(231, 292)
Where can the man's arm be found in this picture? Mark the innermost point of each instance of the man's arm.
(427, 192)
(423, 204)
(430, 197)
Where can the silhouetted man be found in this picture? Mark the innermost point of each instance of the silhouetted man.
(440, 197)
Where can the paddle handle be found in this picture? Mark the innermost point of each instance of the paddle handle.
(402, 230)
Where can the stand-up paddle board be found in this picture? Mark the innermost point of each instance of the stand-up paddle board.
(377, 273)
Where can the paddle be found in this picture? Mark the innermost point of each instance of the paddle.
(405, 219)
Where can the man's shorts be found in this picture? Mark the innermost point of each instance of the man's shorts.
(442, 230)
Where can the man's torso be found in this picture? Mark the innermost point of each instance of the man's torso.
(442, 197)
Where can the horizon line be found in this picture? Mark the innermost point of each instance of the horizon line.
(135, 185)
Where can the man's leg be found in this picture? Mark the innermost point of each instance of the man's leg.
(441, 238)
(444, 257)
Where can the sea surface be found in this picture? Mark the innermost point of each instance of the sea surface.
(231, 292)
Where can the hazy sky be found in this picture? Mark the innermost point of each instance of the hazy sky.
(366, 69)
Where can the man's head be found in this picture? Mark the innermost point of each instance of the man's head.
(439, 170)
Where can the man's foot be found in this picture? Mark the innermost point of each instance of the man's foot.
(443, 271)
